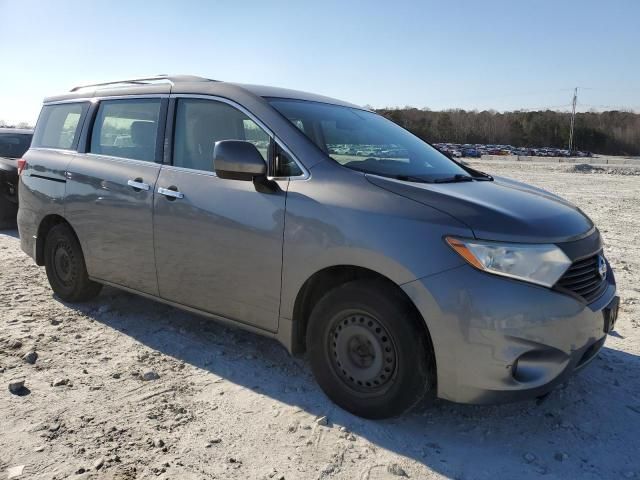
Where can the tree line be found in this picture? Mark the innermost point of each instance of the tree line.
(11, 125)
(611, 132)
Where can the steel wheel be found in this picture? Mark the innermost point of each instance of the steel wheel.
(62, 264)
(369, 350)
(362, 352)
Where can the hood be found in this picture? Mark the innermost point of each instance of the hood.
(501, 210)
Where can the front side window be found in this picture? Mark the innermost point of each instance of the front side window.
(284, 165)
(59, 125)
(13, 145)
(126, 129)
(201, 123)
(367, 142)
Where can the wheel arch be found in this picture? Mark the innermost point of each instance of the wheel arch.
(46, 224)
(323, 281)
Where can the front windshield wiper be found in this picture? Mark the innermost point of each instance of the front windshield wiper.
(477, 174)
(404, 178)
(481, 176)
(456, 178)
(410, 178)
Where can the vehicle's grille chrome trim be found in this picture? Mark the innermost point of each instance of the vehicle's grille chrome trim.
(583, 279)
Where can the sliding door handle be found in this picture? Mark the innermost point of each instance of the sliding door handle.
(138, 184)
(170, 192)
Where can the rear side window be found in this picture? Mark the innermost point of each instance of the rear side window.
(127, 129)
(201, 123)
(59, 125)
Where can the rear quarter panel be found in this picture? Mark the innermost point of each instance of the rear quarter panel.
(41, 191)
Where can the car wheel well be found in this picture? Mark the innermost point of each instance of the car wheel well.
(326, 280)
(47, 224)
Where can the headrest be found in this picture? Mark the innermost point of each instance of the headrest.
(143, 133)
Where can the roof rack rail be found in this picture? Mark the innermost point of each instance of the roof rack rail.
(146, 81)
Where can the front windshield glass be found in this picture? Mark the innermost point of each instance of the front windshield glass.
(367, 142)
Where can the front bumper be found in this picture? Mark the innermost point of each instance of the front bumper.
(498, 340)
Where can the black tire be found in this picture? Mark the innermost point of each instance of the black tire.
(66, 270)
(368, 349)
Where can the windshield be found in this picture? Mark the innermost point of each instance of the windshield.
(367, 142)
(13, 145)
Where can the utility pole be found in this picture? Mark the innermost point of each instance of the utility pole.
(573, 119)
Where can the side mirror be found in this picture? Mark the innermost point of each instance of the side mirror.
(238, 160)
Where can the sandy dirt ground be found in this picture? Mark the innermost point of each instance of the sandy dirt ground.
(125, 388)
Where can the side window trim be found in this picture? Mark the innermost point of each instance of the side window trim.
(170, 134)
(162, 125)
(87, 128)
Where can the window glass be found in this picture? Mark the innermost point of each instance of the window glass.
(367, 142)
(201, 123)
(58, 125)
(13, 145)
(298, 123)
(126, 128)
(285, 166)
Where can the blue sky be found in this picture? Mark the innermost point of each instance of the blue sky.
(437, 54)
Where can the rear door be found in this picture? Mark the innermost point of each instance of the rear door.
(218, 242)
(110, 190)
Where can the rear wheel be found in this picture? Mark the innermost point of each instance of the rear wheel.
(368, 349)
(65, 266)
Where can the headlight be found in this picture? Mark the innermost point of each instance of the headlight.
(535, 263)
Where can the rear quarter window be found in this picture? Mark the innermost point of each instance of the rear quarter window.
(59, 125)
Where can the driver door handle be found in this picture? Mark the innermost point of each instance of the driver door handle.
(169, 192)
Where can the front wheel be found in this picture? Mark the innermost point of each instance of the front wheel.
(369, 351)
(65, 266)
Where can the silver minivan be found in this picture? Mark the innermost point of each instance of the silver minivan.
(398, 270)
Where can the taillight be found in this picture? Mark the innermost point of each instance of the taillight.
(22, 163)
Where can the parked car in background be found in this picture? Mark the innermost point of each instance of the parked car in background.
(471, 152)
(14, 142)
(477, 150)
(583, 154)
(398, 270)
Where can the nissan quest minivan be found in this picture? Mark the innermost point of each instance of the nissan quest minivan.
(398, 270)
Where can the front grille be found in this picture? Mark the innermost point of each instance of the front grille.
(583, 279)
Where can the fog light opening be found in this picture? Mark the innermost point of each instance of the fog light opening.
(537, 365)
